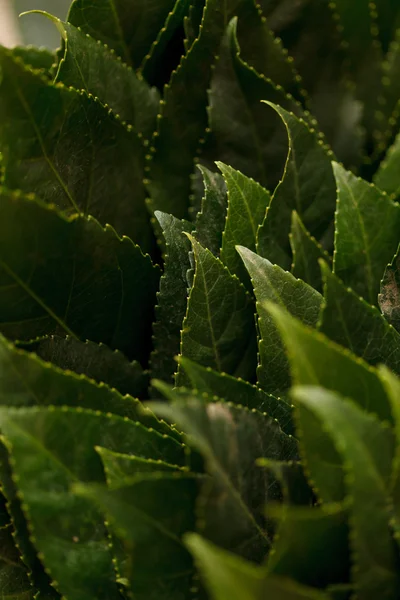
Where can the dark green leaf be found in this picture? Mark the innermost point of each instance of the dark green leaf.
(228, 576)
(71, 151)
(272, 283)
(172, 297)
(389, 297)
(89, 65)
(193, 21)
(14, 582)
(387, 178)
(366, 234)
(53, 448)
(366, 450)
(308, 186)
(150, 514)
(222, 386)
(247, 204)
(210, 221)
(324, 532)
(351, 322)
(315, 360)
(231, 438)
(218, 330)
(37, 58)
(290, 477)
(71, 276)
(248, 135)
(96, 361)
(127, 26)
(306, 254)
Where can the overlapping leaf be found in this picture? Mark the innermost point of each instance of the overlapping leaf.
(307, 253)
(210, 221)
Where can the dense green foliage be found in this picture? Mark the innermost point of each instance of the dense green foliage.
(200, 303)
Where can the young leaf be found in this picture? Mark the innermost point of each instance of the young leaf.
(306, 254)
(210, 221)
(53, 448)
(247, 203)
(387, 177)
(315, 360)
(227, 575)
(172, 297)
(349, 321)
(248, 136)
(367, 225)
(322, 530)
(96, 361)
(103, 287)
(128, 27)
(150, 514)
(71, 151)
(218, 330)
(231, 438)
(307, 186)
(89, 65)
(272, 283)
(389, 297)
(221, 386)
(366, 449)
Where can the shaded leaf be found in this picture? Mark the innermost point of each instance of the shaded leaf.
(225, 573)
(362, 250)
(272, 283)
(150, 514)
(96, 361)
(307, 186)
(210, 221)
(389, 297)
(71, 151)
(103, 288)
(218, 330)
(366, 450)
(129, 27)
(387, 177)
(37, 58)
(53, 448)
(14, 582)
(351, 322)
(306, 254)
(172, 297)
(247, 204)
(231, 438)
(225, 387)
(89, 65)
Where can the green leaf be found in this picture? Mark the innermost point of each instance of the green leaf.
(193, 21)
(71, 151)
(89, 65)
(247, 203)
(272, 283)
(231, 438)
(152, 64)
(390, 90)
(53, 448)
(323, 530)
(129, 27)
(119, 467)
(228, 576)
(387, 177)
(14, 583)
(389, 297)
(307, 186)
(150, 514)
(96, 361)
(306, 254)
(248, 136)
(366, 450)
(37, 58)
(316, 360)
(351, 322)
(210, 221)
(366, 235)
(28, 381)
(218, 330)
(172, 297)
(102, 288)
(222, 386)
